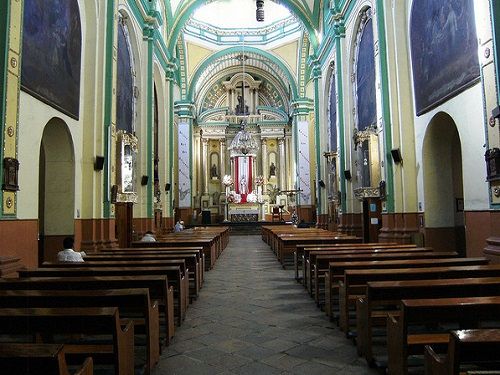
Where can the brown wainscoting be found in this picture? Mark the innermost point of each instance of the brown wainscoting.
(322, 221)
(441, 239)
(141, 225)
(478, 228)
(492, 249)
(401, 228)
(19, 239)
(168, 224)
(54, 244)
(185, 214)
(306, 213)
(95, 234)
(351, 224)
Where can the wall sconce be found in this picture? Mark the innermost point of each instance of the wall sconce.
(99, 163)
(259, 14)
(10, 174)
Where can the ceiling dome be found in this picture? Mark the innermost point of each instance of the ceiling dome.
(239, 14)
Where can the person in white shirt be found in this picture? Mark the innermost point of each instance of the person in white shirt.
(148, 237)
(68, 254)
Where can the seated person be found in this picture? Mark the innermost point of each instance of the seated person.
(303, 224)
(68, 254)
(179, 226)
(148, 237)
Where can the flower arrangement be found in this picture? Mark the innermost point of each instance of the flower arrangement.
(227, 180)
(259, 180)
(252, 197)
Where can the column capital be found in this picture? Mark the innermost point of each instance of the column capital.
(302, 106)
(185, 108)
(281, 141)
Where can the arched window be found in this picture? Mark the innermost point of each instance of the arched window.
(52, 44)
(125, 81)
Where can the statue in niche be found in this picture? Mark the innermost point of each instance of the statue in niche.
(243, 185)
(213, 171)
(241, 108)
(272, 170)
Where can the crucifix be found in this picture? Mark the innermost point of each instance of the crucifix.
(241, 108)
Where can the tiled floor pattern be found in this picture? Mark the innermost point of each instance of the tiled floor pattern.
(253, 318)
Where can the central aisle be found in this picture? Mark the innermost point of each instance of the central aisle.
(253, 318)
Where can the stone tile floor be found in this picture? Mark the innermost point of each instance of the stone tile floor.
(253, 318)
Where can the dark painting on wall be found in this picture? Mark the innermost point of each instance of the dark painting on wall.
(124, 83)
(443, 49)
(365, 79)
(333, 114)
(51, 53)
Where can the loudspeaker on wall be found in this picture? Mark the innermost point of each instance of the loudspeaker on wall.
(99, 163)
(321, 183)
(347, 174)
(144, 180)
(167, 186)
(396, 155)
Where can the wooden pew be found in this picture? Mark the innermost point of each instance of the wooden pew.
(174, 274)
(133, 304)
(480, 347)
(318, 262)
(323, 262)
(190, 259)
(198, 251)
(100, 321)
(336, 271)
(353, 286)
(288, 243)
(157, 286)
(302, 253)
(415, 325)
(35, 359)
(383, 297)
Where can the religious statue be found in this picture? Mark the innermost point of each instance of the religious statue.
(241, 108)
(213, 171)
(272, 170)
(243, 185)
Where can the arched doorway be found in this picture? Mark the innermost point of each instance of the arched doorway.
(443, 185)
(56, 198)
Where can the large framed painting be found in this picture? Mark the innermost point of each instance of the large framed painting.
(443, 50)
(125, 81)
(365, 75)
(51, 53)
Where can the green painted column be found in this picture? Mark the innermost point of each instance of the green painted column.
(386, 105)
(11, 23)
(109, 101)
(170, 79)
(4, 51)
(339, 29)
(148, 35)
(316, 78)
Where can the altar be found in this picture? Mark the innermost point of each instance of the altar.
(243, 212)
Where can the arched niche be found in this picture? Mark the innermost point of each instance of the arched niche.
(56, 188)
(443, 185)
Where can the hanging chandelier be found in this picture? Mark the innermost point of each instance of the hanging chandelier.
(259, 14)
(243, 143)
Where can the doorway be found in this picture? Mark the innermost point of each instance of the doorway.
(56, 190)
(443, 186)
